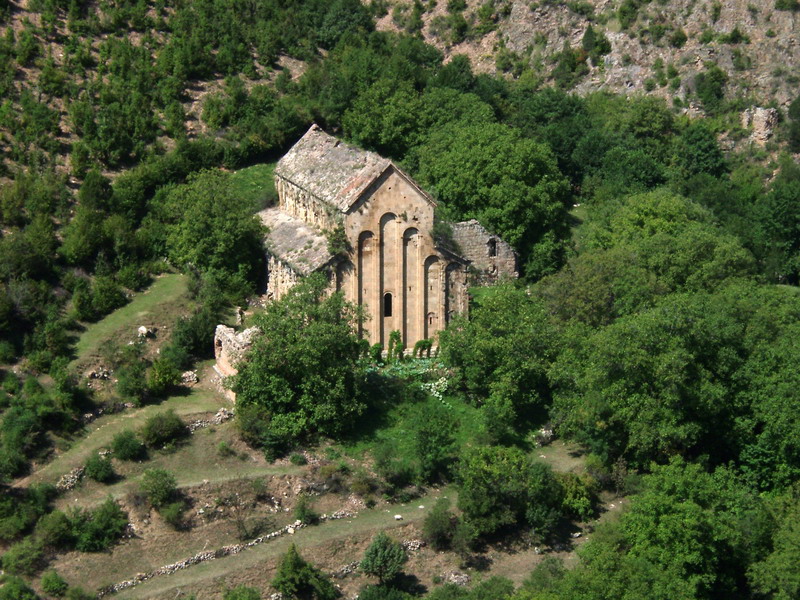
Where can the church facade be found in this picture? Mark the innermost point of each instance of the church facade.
(357, 217)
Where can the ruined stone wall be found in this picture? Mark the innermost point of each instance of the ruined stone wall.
(280, 278)
(492, 259)
(303, 205)
(230, 348)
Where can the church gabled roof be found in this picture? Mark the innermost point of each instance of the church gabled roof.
(333, 171)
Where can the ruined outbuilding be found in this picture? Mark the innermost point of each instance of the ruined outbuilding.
(388, 260)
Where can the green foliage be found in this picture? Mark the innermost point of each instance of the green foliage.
(710, 86)
(439, 525)
(384, 558)
(317, 385)
(127, 446)
(101, 528)
(15, 588)
(159, 487)
(241, 592)
(501, 488)
(55, 530)
(163, 377)
(100, 469)
(24, 558)
(434, 443)
(163, 429)
(295, 578)
(212, 230)
(382, 592)
(501, 355)
(53, 584)
(509, 183)
(304, 511)
(172, 513)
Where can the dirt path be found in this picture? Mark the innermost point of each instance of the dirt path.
(329, 534)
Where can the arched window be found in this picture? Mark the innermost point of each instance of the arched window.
(492, 247)
(387, 305)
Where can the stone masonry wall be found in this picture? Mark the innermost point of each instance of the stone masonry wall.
(280, 278)
(492, 259)
(303, 205)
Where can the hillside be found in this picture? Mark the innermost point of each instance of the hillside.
(619, 422)
(754, 43)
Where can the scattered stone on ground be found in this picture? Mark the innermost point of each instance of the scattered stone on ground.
(69, 480)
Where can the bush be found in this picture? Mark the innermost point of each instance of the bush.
(298, 459)
(99, 469)
(241, 592)
(163, 429)
(53, 584)
(163, 376)
(14, 588)
(126, 446)
(54, 530)
(131, 380)
(439, 525)
(77, 593)
(24, 558)
(159, 486)
(106, 296)
(173, 514)
(304, 512)
(98, 530)
(382, 592)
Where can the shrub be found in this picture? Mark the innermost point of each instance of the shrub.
(99, 529)
(252, 421)
(241, 592)
(126, 446)
(224, 449)
(106, 296)
(53, 584)
(382, 592)
(100, 469)
(578, 496)
(131, 380)
(78, 593)
(159, 486)
(163, 429)
(163, 376)
(54, 530)
(439, 525)
(304, 512)
(24, 558)
(173, 514)
(298, 459)
(14, 588)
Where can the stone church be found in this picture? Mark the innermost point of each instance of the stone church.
(391, 264)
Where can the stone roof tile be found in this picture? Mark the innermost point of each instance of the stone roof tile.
(294, 242)
(335, 172)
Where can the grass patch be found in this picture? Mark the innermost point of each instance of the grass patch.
(164, 301)
(396, 421)
(106, 427)
(255, 185)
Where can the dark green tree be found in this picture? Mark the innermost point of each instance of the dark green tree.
(384, 558)
(304, 366)
(296, 578)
